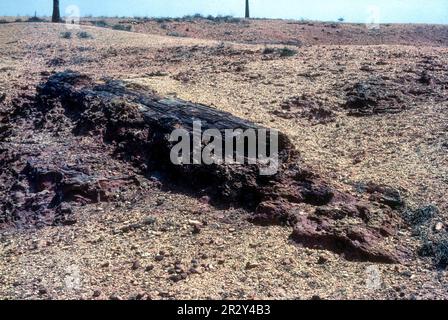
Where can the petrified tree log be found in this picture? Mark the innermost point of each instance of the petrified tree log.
(139, 123)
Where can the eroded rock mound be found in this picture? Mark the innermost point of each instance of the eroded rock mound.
(374, 96)
(38, 192)
(306, 107)
(137, 123)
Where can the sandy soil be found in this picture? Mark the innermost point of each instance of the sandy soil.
(99, 258)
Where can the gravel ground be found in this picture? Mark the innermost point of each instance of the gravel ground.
(101, 257)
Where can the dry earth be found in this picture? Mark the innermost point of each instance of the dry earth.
(135, 245)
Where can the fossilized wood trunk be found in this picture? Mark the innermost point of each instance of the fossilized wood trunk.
(138, 123)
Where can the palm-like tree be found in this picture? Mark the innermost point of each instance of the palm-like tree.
(56, 13)
(247, 9)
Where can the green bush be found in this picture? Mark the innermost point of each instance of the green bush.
(228, 19)
(287, 52)
(268, 50)
(100, 23)
(284, 52)
(162, 19)
(66, 35)
(122, 27)
(84, 35)
(224, 19)
(35, 19)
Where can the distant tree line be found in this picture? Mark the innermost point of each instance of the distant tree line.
(56, 17)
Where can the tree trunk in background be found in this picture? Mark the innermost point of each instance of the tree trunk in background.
(56, 14)
(247, 9)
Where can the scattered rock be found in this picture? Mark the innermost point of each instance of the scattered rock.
(322, 260)
(195, 270)
(176, 277)
(140, 296)
(194, 223)
(306, 107)
(426, 78)
(386, 195)
(42, 291)
(159, 257)
(196, 229)
(355, 241)
(204, 200)
(136, 265)
(252, 265)
(149, 268)
(287, 261)
(96, 293)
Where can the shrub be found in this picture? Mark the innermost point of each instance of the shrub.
(224, 19)
(100, 23)
(228, 19)
(196, 16)
(66, 35)
(441, 253)
(287, 52)
(35, 19)
(268, 50)
(84, 35)
(162, 19)
(122, 27)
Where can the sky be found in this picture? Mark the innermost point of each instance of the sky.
(381, 11)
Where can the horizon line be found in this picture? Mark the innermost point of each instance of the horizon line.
(200, 16)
